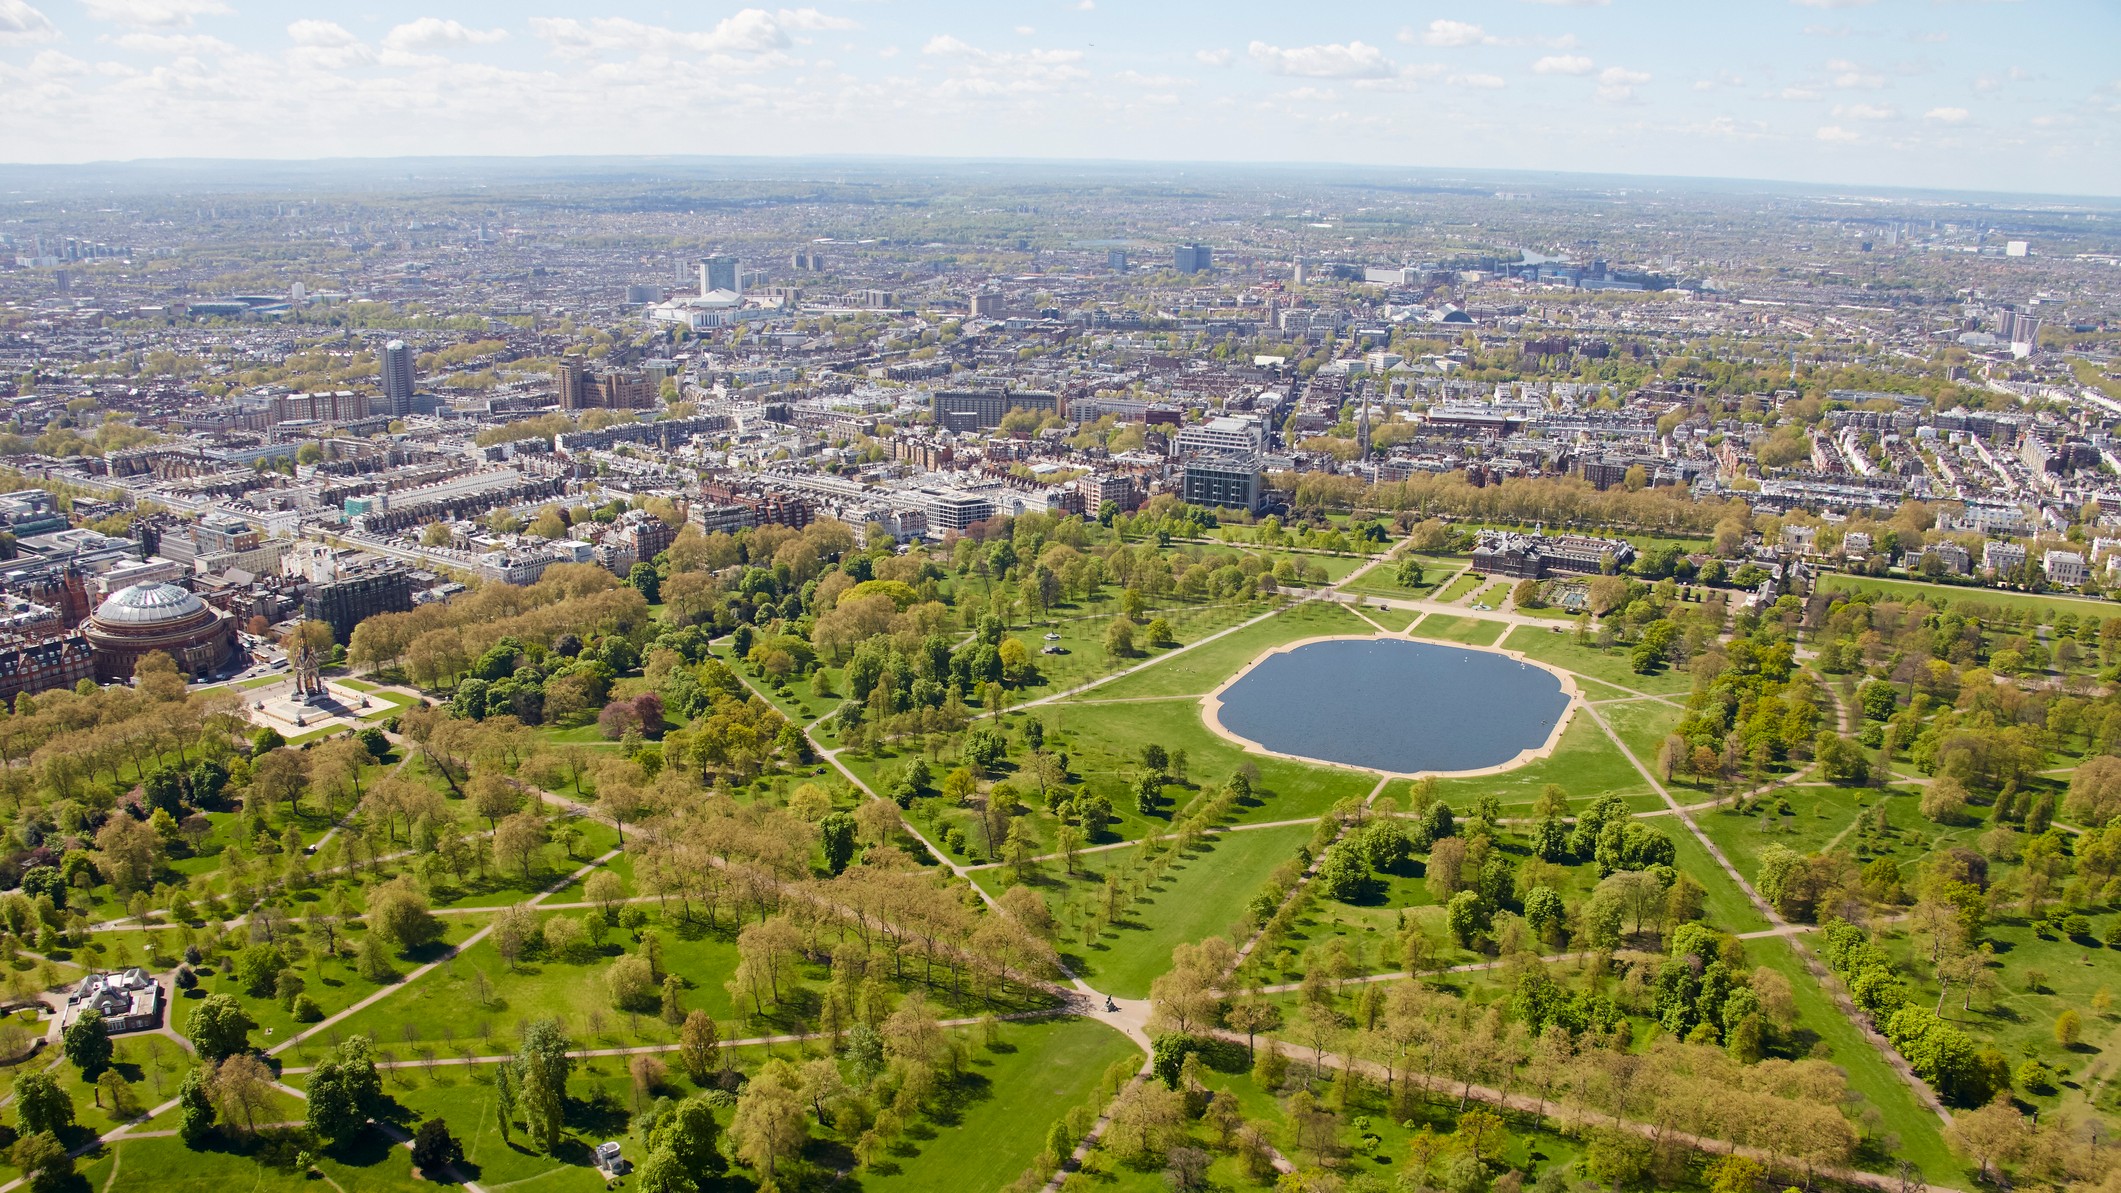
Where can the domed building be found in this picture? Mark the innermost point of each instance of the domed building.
(151, 616)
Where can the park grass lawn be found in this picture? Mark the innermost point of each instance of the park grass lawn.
(1493, 595)
(1963, 599)
(1529, 1150)
(1383, 580)
(1083, 637)
(1725, 905)
(334, 984)
(1593, 690)
(1612, 666)
(1471, 630)
(2019, 1019)
(505, 885)
(448, 1005)
(994, 1125)
(1920, 1134)
(1396, 620)
(1586, 764)
(1821, 817)
(1336, 567)
(1459, 588)
(798, 702)
(1200, 896)
(369, 1164)
(1106, 743)
(1204, 668)
(1643, 725)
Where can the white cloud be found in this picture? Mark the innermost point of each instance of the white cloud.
(1451, 34)
(155, 14)
(810, 20)
(430, 33)
(1085, 5)
(1836, 134)
(1355, 60)
(1865, 112)
(1616, 84)
(987, 73)
(1025, 30)
(1563, 64)
(175, 45)
(1947, 115)
(1850, 76)
(1213, 57)
(329, 35)
(750, 38)
(21, 25)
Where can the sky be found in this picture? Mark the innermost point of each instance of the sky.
(1950, 94)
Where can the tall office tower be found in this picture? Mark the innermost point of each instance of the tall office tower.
(397, 378)
(1192, 258)
(718, 273)
(1116, 260)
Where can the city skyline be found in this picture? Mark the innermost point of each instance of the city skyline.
(1973, 96)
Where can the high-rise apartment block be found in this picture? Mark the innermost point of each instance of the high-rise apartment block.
(1192, 258)
(398, 378)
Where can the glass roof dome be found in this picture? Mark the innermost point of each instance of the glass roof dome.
(150, 602)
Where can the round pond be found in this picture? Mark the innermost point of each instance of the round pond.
(1394, 705)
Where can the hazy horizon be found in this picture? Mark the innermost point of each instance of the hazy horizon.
(1962, 97)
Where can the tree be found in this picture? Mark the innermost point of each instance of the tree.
(44, 1160)
(541, 1070)
(398, 910)
(836, 834)
(1119, 638)
(768, 1127)
(195, 1111)
(688, 1133)
(698, 1047)
(344, 1092)
(218, 1028)
(519, 841)
(87, 1044)
(41, 1105)
(2095, 791)
(434, 1149)
(242, 1088)
(2068, 1027)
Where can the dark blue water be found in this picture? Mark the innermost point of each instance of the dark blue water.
(1395, 705)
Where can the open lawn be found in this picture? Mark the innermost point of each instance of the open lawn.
(1966, 598)
(1471, 630)
(1642, 725)
(1612, 666)
(1202, 669)
(1200, 896)
(1920, 1134)
(1587, 765)
(1395, 620)
(1459, 588)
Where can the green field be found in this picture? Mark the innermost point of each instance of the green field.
(1459, 588)
(1471, 630)
(2048, 608)
(1200, 896)
(1201, 670)
(1919, 1131)
(1611, 666)
(1586, 763)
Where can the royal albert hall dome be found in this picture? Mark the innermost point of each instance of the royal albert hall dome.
(153, 616)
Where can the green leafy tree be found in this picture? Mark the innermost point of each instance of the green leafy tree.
(87, 1044)
(836, 835)
(44, 1160)
(195, 1111)
(345, 1091)
(42, 1105)
(434, 1149)
(218, 1028)
(541, 1070)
